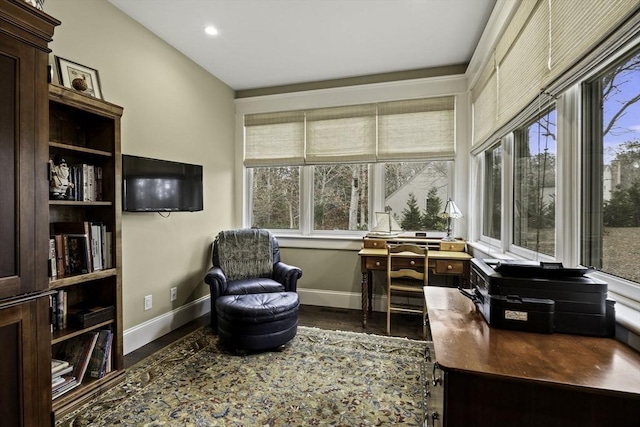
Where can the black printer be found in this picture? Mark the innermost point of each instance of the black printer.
(540, 297)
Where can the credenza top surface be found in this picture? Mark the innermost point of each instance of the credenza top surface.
(463, 341)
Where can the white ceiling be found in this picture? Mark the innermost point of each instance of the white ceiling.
(263, 43)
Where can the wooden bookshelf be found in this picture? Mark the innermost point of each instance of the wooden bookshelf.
(86, 130)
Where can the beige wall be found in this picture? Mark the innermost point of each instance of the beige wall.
(174, 110)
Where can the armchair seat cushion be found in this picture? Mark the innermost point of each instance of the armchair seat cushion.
(254, 285)
(257, 321)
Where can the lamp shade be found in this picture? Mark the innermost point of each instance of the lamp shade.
(451, 210)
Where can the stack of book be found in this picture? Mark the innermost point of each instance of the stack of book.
(62, 379)
(79, 247)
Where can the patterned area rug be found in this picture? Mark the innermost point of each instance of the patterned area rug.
(320, 378)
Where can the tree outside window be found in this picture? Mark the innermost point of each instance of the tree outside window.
(492, 211)
(340, 197)
(535, 185)
(612, 241)
(276, 197)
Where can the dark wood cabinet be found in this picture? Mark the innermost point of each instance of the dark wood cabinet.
(25, 368)
(25, 334)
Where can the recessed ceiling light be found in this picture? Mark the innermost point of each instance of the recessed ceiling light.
(211, 30)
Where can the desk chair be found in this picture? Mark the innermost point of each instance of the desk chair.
(406, 277)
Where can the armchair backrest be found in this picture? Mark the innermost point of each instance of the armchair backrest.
(245, 253)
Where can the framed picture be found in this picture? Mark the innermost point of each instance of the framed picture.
(79, 77)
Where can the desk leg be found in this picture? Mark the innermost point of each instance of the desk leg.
(365, 298)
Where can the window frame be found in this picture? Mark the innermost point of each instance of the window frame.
(518, 135)
(571, 102)
(305, 228)
(484, 166)
(624, 291)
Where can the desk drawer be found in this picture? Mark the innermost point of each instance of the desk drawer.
(376, 263)
(375, 243)
(380, 263)
(446, 266)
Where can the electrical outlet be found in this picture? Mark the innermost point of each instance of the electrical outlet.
(174, 294)
(148, 302)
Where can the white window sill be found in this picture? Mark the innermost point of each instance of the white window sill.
(325, 241)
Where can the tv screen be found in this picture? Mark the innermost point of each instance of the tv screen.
(152, 185)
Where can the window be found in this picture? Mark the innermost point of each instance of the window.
(276, 197)
(416, 192)
(535, 185)
(492, 211)
(611, 207)
(328, 169)
(340, 197)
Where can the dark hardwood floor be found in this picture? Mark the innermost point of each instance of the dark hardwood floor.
(409, 326)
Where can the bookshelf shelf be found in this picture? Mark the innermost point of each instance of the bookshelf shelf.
(67, 402)
(73, 148)
(85, 132)
(78, 203)
(62, 282)
(59, 336)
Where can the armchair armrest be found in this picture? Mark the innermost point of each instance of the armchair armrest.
(287, 274)
(217, 282)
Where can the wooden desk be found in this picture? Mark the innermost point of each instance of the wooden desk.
(499, 377)
(373, 257)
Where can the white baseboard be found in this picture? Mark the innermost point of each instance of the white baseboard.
(152, 329)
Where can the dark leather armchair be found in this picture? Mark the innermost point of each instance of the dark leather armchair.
(281, 278)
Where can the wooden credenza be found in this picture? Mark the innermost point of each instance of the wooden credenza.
(491, 377)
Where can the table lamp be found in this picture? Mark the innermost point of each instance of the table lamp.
(451, 211)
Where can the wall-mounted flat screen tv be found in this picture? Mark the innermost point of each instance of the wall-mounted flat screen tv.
(152, 185)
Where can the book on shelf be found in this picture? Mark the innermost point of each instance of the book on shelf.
(79, 253)
(98, 184)
(96, 246)
(77, 352)
(58, 365)
(53, 262)
(56, 381)
(89, 195)
(100, 354)
(59, 254)
(65, 372)
(59, 310)
(69, 383)
(108, 249)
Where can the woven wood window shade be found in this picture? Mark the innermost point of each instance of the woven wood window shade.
(577, 26)
(274, 139)
(522, 62)
(341, 135)
(544, 39)
(484, 97)
(416, 129)
(399, 130)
